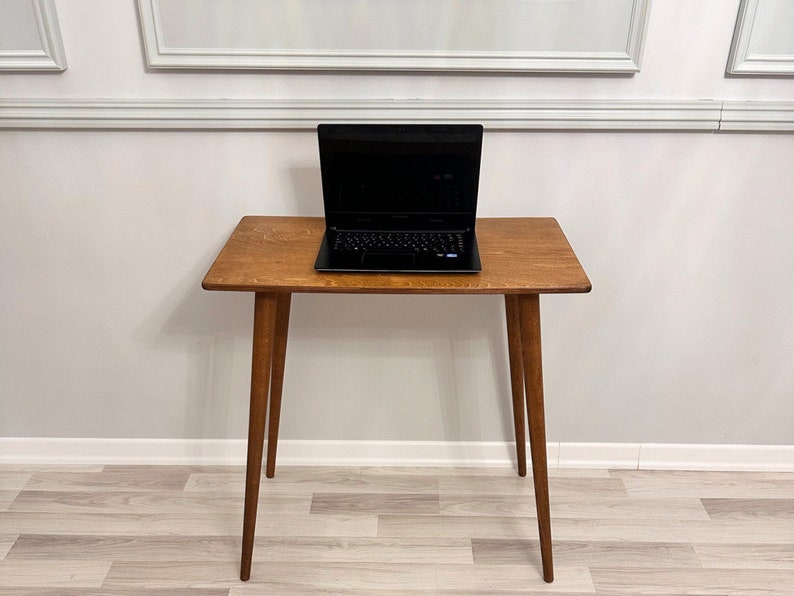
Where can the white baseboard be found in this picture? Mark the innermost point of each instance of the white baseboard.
(633, 456)
(738, 458)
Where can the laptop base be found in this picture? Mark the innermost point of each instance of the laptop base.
(329, 260)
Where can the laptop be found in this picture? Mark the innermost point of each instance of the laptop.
(400, 197)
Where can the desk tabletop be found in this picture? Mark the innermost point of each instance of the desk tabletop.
(276, 254)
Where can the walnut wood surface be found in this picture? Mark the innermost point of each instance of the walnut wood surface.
(529, 315)
(277, 379)
(264, 321)
(274, 256)
(519, 255)
(516, 380)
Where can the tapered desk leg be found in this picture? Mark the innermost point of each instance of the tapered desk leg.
(264, 324)
(277, 380)
(516, 379)
(529, 314)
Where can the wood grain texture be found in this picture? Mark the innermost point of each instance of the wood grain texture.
(342, 482)
(513, 322)
(20, 522)
(11, 480)
(408, 526)
(305, 577)
(71, 574)
(529, 321)
(491, 472)
(751, 532)
(123, 541)
(6, 498)
(571, 505)
(19, 591)
(156, 480)
(364, 550)
(6, 542)
(277, 379)
(125, 548)
(273, 256)
(513, 485)
(746, 556)
(374, 503)
(459, 578)
(714, 485)
(749, 509)
(277, 254)
(154, 502)
(29, 468)
(597, 554)
(262, 358)
(693, 581)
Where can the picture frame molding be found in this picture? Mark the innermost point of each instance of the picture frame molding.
(51, 56)
(160, 56)
(741, 61)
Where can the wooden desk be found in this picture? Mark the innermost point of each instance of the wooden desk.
(274, 257)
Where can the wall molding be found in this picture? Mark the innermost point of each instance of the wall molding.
(742, 61)
(273, 114)
(227, 114)
(175, 41)
(51, 55)
(633, 456)
(757, 116)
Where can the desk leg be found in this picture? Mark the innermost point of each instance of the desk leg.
(262, 354)
(516, 379)
(277, 380)
(529, 314)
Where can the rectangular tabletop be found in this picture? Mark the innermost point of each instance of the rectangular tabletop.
(519, 255)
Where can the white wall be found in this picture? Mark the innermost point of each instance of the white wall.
(687, 337)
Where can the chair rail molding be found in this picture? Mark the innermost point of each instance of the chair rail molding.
(226, 114)
(605, 36)
(757, 116)
(30, 37)
(763, 43)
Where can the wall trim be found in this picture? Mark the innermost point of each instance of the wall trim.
(741, 61)
(51, 55)
(227, 114)
(632, 456)
(206, 54)
(563, 115)
(757, 116)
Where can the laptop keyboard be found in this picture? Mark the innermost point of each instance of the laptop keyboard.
(446, 243)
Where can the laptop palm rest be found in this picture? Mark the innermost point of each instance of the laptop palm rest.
(388, 261)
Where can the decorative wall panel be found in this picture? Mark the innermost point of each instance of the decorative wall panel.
(763, 43)
(408, 35)
(30, 38)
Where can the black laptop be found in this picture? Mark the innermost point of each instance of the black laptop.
(400, 197)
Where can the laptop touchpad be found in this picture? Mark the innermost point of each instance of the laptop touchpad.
(388, 261)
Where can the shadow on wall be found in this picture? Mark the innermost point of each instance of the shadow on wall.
(444, 357)
(308, 190)
(211, 333)
(209, 329)
(213, 329)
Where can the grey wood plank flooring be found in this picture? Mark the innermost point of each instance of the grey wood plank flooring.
(155, 530)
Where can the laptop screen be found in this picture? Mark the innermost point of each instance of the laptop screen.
(397, 176)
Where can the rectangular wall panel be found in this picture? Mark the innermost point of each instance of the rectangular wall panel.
(763, 43)
(470, 35)
(30, 38)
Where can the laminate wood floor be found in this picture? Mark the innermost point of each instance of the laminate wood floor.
(156, 530)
